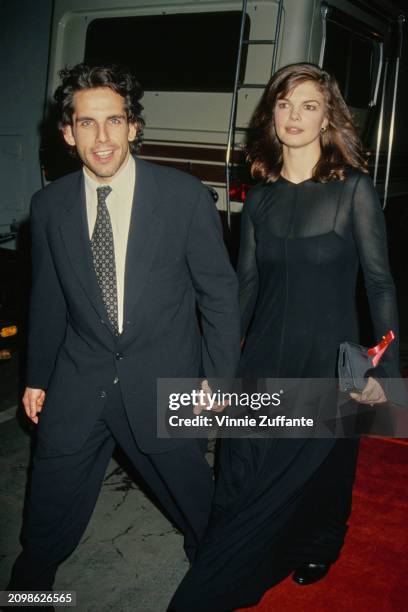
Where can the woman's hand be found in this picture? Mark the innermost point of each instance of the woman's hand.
(206, 394)
(372, 393)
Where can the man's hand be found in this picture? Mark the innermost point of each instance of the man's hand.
(372, 393)
(205, 403)
(33, 400)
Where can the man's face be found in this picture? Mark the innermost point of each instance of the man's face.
(100, 132)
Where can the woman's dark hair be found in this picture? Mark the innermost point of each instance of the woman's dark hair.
(118, 79)
(340, 144)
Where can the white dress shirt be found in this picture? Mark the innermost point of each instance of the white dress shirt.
(119, 203)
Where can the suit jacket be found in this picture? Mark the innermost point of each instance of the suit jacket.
(175, 261)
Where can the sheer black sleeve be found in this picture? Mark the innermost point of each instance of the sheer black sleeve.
(371, 239)
(247, 267)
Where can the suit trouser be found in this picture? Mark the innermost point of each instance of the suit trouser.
(64, 490)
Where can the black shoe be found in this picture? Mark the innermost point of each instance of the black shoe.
(310, 572)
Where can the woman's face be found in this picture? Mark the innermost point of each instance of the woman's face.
(300, 115)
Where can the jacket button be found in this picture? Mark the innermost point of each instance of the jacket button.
(103, 394)
(119, 356)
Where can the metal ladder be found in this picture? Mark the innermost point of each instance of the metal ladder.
(233, 129)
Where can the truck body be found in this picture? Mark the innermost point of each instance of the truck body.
(203, 65)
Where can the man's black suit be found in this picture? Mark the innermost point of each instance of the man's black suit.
(97, 384)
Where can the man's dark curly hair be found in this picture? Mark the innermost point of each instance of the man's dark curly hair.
(118, 79)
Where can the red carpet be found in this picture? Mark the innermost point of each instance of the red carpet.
(372, 571)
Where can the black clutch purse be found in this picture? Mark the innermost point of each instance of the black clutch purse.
(355, 361)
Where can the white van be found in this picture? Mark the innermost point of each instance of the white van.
(204, 63)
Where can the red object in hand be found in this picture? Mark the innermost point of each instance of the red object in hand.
(378, 351)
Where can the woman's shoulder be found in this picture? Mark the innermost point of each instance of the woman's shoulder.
(256, 194)
(355, 183)
(356, 175)
(362, 193)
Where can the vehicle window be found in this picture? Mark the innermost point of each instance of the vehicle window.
(174, 52)
(351, 58)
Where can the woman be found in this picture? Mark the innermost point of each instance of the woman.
(281, 505)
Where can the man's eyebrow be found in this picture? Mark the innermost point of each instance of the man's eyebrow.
(78, 119)
(119, 116)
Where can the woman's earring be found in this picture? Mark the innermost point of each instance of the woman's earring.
(323, 129)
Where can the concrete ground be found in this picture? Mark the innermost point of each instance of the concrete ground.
(130, 559)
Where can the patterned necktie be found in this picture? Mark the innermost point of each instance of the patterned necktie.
(103, 252)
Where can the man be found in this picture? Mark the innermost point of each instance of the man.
(123, 252)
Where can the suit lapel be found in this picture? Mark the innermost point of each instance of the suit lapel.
(75, 236)
(144, 234)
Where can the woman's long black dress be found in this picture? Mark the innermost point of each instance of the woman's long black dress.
(282, 502)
